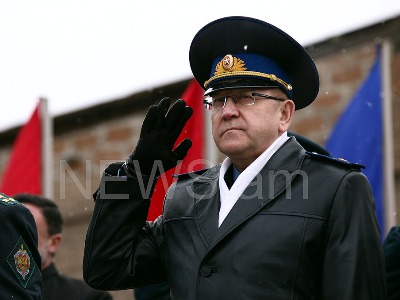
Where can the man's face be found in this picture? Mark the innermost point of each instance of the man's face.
(244, 132)
(46, 245)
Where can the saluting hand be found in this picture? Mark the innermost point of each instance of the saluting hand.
(160, 130)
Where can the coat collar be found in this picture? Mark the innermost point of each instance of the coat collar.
(49, 272)
(207, 203)
(262, 190)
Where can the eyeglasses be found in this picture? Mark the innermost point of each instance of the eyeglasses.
(245, 99)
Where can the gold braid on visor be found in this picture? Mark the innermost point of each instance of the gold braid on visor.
(271, 77)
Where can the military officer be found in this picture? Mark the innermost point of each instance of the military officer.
(273, 221)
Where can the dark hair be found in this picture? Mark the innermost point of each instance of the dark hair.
(49, 210)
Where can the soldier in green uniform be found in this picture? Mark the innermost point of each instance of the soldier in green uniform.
(20, 276)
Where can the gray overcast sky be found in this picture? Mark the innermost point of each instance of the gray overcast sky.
(79, 53)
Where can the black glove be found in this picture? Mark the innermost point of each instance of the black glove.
(160, 130)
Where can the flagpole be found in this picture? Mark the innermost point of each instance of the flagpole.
(47, 149)
(389, 189)
(211, 152)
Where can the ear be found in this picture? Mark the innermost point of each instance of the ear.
(287, 110)
(54, 242)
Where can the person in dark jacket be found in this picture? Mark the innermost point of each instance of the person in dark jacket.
(273, 221)
(49, 224)
(391, 248)
(20, 276)
(160, 291)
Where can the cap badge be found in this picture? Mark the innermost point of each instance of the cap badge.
(233, 66)
(229, 64)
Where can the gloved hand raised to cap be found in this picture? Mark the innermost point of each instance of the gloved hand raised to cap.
(160, 130)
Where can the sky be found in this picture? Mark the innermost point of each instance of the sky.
(80, 53)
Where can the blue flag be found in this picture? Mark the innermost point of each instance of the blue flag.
(358, 134)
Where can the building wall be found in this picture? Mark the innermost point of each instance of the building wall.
(82, 150)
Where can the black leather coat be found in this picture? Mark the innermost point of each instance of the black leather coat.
(304, 229)
(58, 286)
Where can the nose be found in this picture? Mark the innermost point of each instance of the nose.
(229, 110)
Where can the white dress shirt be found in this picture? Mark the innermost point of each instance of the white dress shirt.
(228, 196)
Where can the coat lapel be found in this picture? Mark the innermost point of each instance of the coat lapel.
(265, 187)
(207, 204)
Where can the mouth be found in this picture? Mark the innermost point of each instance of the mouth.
(229, 129)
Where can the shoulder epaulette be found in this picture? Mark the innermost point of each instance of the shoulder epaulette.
(339, 161)
(189, 174)
(5, 200)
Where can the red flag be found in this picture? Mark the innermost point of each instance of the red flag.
(194, 160)
(24, 168)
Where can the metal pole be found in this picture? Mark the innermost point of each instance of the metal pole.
(211, 151)
(47, 149)
(389, 189)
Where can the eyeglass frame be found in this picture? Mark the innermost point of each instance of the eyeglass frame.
(210, 106)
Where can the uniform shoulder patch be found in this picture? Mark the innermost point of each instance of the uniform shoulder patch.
(190, 174)
(5, 200)
(339, 161)
(21, 262)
